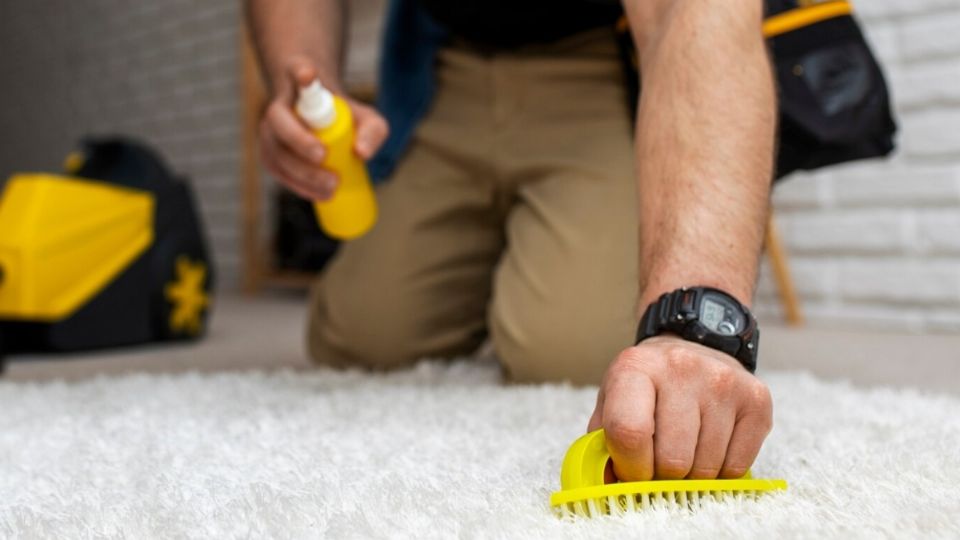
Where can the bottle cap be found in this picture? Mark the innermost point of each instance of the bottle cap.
(315, 105)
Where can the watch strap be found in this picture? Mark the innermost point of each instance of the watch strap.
(676, 311)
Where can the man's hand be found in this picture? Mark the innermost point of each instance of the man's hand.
(675, 409)
(292, 153)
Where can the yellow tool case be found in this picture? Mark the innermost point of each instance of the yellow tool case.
(111, 253)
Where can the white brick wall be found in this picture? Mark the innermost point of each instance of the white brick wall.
(165, 72)
(877, 244)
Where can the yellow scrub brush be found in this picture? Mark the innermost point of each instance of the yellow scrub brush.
(584, 493)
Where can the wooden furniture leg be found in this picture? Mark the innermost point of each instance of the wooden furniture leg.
(253, 99)
(781, 274)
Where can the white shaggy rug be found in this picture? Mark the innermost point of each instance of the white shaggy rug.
(440, 451)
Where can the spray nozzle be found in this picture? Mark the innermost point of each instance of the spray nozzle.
(315, 105)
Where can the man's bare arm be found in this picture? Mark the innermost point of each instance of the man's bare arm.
(704, 147)
(705, 135)
(286, 31)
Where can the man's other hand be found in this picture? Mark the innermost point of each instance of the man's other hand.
(292, 152)
(675, 409)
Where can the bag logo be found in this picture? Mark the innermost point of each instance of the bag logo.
(187, 296)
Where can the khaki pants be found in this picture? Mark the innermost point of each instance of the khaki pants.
(513, 213)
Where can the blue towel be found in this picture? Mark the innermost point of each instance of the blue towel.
(406, 86)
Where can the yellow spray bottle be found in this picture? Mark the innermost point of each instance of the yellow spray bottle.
(352, 210)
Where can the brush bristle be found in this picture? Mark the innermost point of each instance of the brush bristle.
(621, 504)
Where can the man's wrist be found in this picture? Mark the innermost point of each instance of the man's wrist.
(667, 338)
(705, 315)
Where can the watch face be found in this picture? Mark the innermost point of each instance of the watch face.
(720, 315)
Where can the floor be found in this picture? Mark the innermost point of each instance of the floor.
(267, 333)
(444, 449)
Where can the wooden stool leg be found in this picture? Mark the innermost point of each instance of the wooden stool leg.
(253, 99)
(781, 273)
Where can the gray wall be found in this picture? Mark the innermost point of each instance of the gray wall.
(165, 71)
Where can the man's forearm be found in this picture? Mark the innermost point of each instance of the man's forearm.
(286, 29)
(705, 136)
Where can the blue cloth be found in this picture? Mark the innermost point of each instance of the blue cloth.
(406, 87)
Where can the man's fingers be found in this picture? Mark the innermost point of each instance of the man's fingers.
(596, 419)
(291, 182)
(320, 181)
(372, 130)
(751, 429)
(744, 446)
(286, 180)
(302, 71)
(678, 423)
(628, 419)
(716, 428)
(303, 178)
(290, 132)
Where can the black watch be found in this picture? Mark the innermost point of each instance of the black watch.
(707, 316)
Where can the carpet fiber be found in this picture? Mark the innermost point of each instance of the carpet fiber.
(437, 451)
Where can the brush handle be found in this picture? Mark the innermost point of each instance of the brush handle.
(586, 462)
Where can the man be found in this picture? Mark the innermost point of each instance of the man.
(522, 206)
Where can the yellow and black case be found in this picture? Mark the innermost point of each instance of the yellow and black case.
(111, 253)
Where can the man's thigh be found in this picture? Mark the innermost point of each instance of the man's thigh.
(565, 292)
(566, 288)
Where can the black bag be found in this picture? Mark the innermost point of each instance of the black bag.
(834, 104)
(299, 244)
(833, 100)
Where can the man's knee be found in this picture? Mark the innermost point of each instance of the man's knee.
(345, 332)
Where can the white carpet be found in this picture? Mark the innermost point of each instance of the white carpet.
(434, 452)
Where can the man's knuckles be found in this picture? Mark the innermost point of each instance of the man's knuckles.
(667, 358)
(757, 406)
(682, 361)
(274, 111)
(759, 395)
(629, 438)
(628, 359)
(722, 380)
